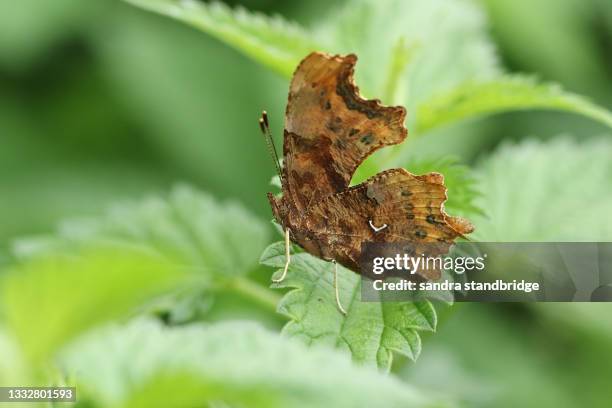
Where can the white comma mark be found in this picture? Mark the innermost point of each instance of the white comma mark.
(375, 228)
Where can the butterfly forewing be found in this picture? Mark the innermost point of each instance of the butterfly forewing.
(330, 129)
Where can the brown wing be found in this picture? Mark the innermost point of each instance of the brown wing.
(330, 129)
(411, 207)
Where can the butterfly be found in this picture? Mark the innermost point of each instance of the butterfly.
(329, 131)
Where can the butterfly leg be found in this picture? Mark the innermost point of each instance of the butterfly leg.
(287, 257)
(336, 288)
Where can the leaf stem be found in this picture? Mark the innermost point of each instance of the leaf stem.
(400, 58)
(395, 87)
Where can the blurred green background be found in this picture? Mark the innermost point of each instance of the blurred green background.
(102, 102)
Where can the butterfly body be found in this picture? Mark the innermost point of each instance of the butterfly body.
(305, 232)
(329, 131)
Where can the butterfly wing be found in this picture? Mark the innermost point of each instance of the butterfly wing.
(330, 129)
(411, 207)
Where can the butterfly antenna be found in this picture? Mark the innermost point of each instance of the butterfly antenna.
(264, 125)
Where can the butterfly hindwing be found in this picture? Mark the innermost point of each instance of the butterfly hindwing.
(393, 206)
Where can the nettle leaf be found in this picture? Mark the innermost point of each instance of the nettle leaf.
(272, 41)
(546, 191)
(212, 238)
(50, 299)
(136, 253)
(145, 364)
(510, 93)
(371, 331)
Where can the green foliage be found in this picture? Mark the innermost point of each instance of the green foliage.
(440, 95)
(554, 191)
(194, 102)
(273, 42)
(439, 34)
(77, 180)
(145, 101)
(418, 54)
(502, 95)
(371, 331)
(199, 233)
(561, 39)
(376, 31)
(134, 254)
(144, 364)
(480, 356)
(65, 295)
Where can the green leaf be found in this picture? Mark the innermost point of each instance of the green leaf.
(273, 42)
(212, 238)
(145, 364)
(50, 299)
(546, 191)
(510, 93)
(135, 253)
(371, 331)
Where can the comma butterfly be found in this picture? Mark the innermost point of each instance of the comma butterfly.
(329, 131)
